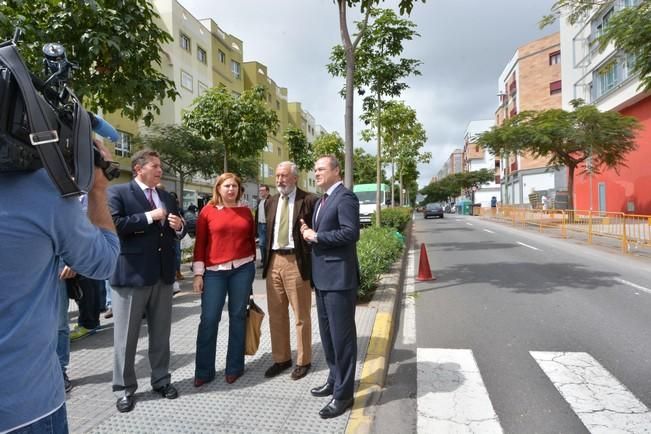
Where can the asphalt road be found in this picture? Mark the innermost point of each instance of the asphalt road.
(519, 333)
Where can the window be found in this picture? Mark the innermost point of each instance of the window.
(280, 152)
(186, 80)
(270, 171)
(201, 55)
(555, 58)
(555, 87)
(221, 56)
(277, 105)
(123, 146)
(269, 147)
(201, 88)
(185, 42)
(235, 69)
(235, 94)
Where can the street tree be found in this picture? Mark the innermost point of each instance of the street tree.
(364, 165)
(328, 144)
(349, 48)
(181, 150)
(403, 138)
(300, 150)
(240, 124)
(629, 29)
(116, 44)
(446, 189)
(188, 154)
(584, 138)
(379, 70)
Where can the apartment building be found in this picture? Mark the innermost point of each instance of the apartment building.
(531, 80)
(605, 80)
(200, 56)
(476, 158)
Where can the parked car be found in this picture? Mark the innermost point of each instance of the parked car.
(433, 210)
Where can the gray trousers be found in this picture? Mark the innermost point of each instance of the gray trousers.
(129, 304)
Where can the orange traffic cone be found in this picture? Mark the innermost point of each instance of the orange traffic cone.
(424, 272)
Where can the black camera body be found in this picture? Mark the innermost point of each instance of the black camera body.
(43, 124)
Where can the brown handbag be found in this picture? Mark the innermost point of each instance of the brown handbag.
(254, 317)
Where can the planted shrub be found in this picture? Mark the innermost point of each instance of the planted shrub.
(396, 218)
(377, 249)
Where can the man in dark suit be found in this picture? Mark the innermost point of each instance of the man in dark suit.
(261, 221)
(148, 224)
(335, 274)
(287, 270)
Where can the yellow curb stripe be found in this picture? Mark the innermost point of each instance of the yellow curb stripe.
(373, 370)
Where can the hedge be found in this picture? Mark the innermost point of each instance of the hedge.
(377, 249)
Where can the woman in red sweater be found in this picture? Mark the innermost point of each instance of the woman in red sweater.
(223, 265)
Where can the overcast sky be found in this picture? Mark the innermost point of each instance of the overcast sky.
(464, 46)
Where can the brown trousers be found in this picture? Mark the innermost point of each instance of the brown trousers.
(285, 286)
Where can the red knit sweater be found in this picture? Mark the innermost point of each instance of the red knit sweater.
(224, 235)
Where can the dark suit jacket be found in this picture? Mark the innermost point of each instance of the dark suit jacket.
(334, 256)
(303, 209)
(147, 251)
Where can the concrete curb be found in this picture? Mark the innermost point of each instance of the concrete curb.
(374, 370)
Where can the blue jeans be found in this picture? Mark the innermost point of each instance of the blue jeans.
(177, 251)
(63, 334)
(237, 284)
(55, 423)
(262, 239)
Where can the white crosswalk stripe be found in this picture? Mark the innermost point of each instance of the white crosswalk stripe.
(603, 404)
(452, 397)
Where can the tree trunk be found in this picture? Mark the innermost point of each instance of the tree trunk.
(393, 183)
(350, 74)
(402, 188)
(225, 160)
(570, 186)
(182, 176)
(378, 164)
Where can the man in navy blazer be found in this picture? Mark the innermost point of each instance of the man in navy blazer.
(335, 275)
(148, 224)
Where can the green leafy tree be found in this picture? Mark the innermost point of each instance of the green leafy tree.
(379, 70)
(329, 143)
(629, 29)
(364, 164)
(349, 48)
(453, 185)
(181, 150)
(567, 138)
(240, 124)
(300, 150)
(117, 45)
(403, 138)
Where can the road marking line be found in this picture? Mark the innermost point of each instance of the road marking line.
(527, 245)
(601, 402)
(634, 285)
(409, 324)
(451, 394)
(489, 231)
(469, 224)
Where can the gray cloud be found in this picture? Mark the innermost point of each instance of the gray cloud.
(464, 46)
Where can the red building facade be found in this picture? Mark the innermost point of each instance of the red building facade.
(628, 191)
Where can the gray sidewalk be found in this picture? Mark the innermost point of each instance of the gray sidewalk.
(253, 404)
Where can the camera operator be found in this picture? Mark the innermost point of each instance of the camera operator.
(40, 230)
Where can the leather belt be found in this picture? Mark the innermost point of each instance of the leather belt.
(285, 251)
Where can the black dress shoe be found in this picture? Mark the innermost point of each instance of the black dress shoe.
(167, 391)
(126, 403)
(335, 408)
(277, 368)
(325, 390)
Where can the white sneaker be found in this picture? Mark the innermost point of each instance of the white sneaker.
(176, 288)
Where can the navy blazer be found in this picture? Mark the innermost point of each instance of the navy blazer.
(147, 251)
(334, 257)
